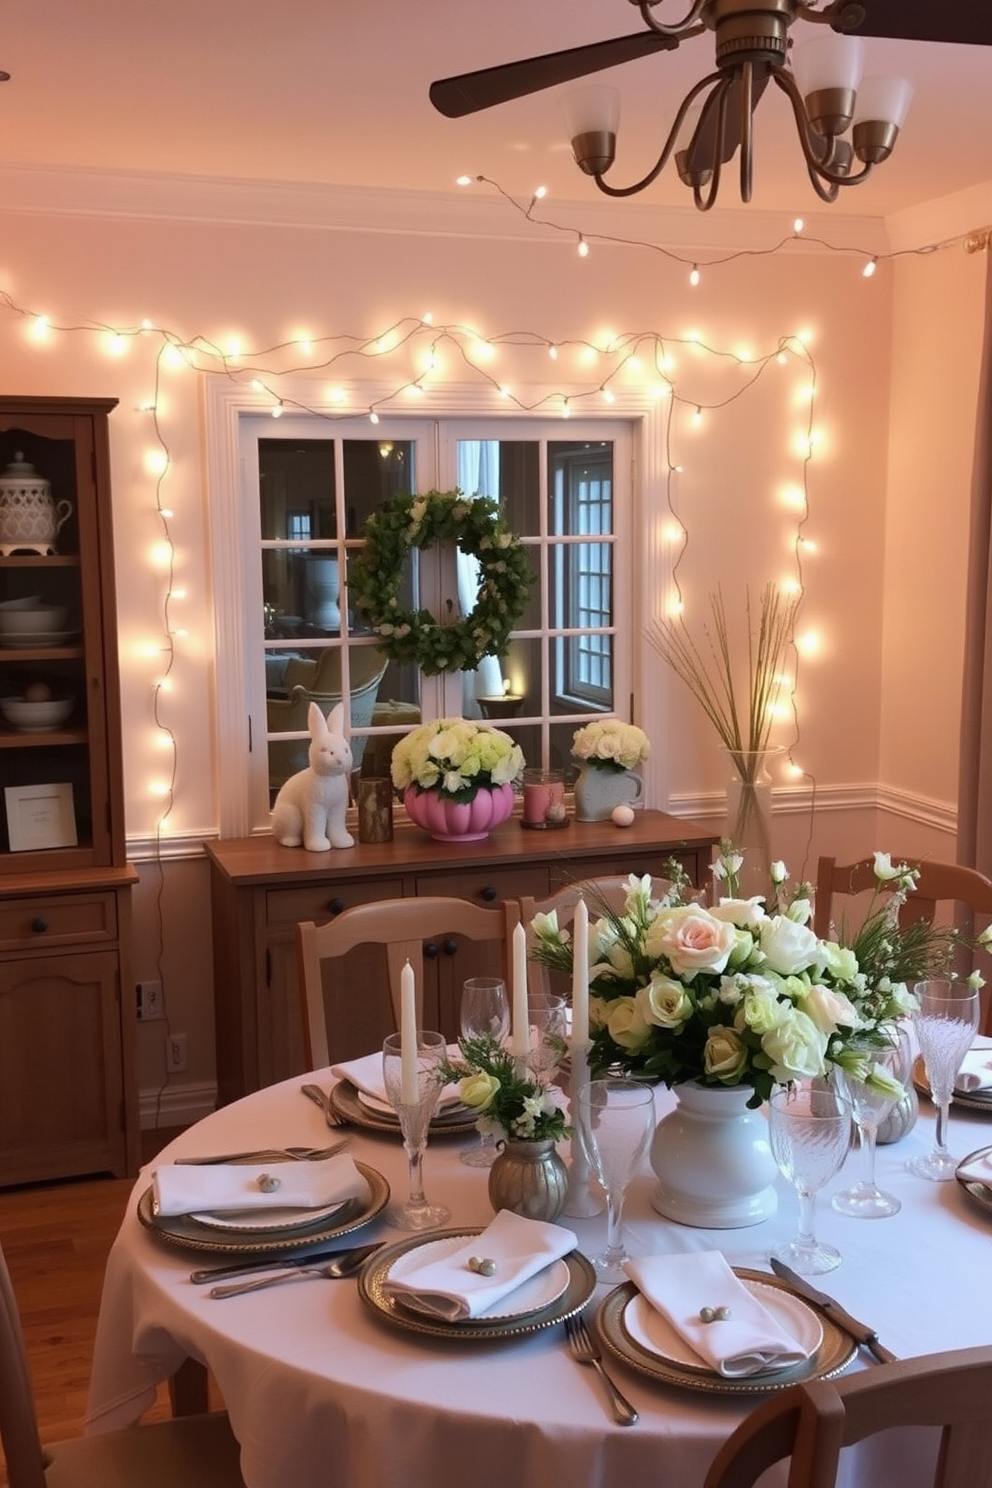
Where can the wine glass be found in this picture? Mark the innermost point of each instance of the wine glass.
(864, 1199)
(945, 1020)
(616, 1124)
(546, 1018)
(809, 1127)
(414, 1118)
(484, 1009)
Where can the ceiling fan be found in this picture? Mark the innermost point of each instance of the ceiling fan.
(753, 44)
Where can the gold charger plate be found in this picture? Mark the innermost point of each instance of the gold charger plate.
(978, 1100)
(974, 1187)
(184, 1231)
(345, 1101)
(833, 1355)
(371, 1281)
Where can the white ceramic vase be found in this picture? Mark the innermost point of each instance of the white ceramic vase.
(598, 791)
(713, 1160)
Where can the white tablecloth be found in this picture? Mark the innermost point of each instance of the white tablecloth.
(320, 1391)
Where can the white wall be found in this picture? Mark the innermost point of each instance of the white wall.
(866, 587)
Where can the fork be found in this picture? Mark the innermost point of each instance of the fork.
(584, 1351)
(319, 1098)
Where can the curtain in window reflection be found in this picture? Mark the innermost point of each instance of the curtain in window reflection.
(478, 475)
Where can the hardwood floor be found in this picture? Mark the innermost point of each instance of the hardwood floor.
(56, 1239)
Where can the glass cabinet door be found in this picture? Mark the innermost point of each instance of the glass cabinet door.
(54, 745)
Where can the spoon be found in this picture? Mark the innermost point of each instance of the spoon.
(345, 1265)
(319, 1098)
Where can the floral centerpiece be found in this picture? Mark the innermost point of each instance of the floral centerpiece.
(741, 993)
(609, 744)
(509, 1106)
(457, 777)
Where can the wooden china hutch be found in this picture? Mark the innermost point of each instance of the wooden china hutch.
(68, 1096)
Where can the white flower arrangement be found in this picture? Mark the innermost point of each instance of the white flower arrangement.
(735, 994)
(456, 757)
(610, 744)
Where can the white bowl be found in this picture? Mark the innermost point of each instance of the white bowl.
(35, 718)
(30, 603)
(40, 620)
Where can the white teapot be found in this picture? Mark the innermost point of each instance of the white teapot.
(29, 517)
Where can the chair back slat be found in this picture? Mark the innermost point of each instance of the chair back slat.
(18, 1421)
(401, 926)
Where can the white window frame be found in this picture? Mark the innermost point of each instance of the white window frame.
(462, 413)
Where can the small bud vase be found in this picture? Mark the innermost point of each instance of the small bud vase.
(530, 1178)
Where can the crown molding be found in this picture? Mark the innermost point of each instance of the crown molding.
(477, 211)
(942, 219)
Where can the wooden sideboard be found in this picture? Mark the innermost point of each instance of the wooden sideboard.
(260, 890)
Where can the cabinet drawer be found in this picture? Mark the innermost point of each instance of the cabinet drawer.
(486, 885)
(320, 901)
(57, 920)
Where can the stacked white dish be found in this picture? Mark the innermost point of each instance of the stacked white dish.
(30, 622)
(30, 717)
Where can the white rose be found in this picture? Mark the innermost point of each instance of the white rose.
(626, 1025)
(746, 914)
(840, 961)
(830, 1010)
(788, 947)
(795, 1047)
(664, 1002)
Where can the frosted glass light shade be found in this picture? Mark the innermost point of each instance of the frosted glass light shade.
(591, 110)
(828, 62)
(885, 99)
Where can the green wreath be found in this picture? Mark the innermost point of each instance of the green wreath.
(476, 525)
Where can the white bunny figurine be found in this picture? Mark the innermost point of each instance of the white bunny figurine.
(310, 808)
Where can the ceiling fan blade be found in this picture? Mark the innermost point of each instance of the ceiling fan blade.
(471, 91)
(967, 21)
(702, 154)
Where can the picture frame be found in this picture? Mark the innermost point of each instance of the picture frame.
(40, 816)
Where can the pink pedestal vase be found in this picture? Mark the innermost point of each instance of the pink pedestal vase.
(452, 821)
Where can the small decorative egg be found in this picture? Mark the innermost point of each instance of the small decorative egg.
(37, 692)
(555, 812)
(623, 816)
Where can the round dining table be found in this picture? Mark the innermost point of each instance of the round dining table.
(322, 1388)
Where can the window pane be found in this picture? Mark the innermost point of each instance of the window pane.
(296, 486)
(374, 471)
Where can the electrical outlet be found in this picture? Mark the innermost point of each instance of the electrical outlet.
(150, 1003)
(175, 1053)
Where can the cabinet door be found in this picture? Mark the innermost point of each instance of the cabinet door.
(61, 1076)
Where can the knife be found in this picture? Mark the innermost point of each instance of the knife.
(283, 1262)
(864, 1335)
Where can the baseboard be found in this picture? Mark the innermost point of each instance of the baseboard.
(176, 1105)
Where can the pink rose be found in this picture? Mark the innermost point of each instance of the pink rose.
(691, 940)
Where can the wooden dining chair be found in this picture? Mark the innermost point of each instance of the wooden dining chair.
(810, 1423)
(608, 891)
(417, 930)
(191, 1452)
(964, 891)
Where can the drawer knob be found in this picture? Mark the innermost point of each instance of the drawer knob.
(430, 951)
(39, 926)
(451, 948)
(335, 905)
(489, 893)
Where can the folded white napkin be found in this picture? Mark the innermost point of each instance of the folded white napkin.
(979, 1170)
(366, 1075)
(218, 1188)
(446, 1288)
(750, 1341)
(975, 1072)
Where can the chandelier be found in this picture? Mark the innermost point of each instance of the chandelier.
(846, 126)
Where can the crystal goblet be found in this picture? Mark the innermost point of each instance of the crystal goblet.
(945, 1020)
(616, 1124)
(869, 1107)
(546, 1017)
(484, 1009)
(809, 1127)
(417, 1213)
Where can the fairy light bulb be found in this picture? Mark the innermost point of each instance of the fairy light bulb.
(869, 268)
(798, 226)
(697, 418)
(463, 180)
(583, 248)
(609, 396)
(373, 417)
(566, 411)
(553, 352)
(694, 275)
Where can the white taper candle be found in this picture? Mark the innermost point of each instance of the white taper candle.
(409, 1085)
(520, 1030)
(580, 975)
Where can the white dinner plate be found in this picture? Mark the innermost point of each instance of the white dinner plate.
(530, 1296)
(656, 1335)
(449, 1108)
(242, 1221)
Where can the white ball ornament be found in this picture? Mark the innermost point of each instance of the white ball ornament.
(623, 816)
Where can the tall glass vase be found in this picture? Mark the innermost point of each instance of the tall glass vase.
(749, 814)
